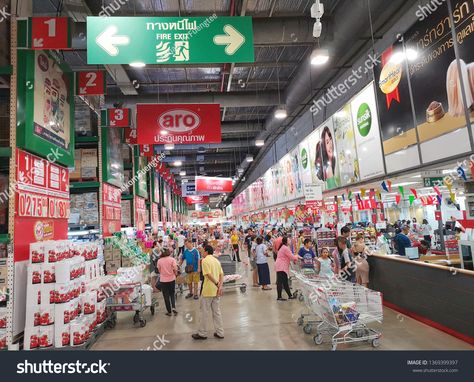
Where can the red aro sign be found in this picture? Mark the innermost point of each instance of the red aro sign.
(50, 33)
(111, 209)
(213, 185)
(179, 124)
(366, 204)
(438, 216)
(119, 117)
(197, 199)
(90, 83)
(430, 200)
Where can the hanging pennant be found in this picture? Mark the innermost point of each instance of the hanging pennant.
(462, 173)
(362, 192)
(350, 195)
(411, 198)
(401, 190)
(453, 197)
(384, 186)
(414, 193)
(389, 184)
(439, 198)
(398, 198)
(379, 195)
(343, 198)
(436, 189)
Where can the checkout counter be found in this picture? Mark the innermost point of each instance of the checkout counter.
(441, 296)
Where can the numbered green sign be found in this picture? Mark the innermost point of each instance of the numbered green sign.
(169, 40)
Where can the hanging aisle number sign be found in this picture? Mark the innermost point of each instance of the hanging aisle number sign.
(49, 33)
(146, 150)
(90, 83)
(117, 117)
(130, 136)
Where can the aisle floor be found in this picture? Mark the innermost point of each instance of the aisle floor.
(256, 321)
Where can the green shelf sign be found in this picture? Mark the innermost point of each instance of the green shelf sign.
(169, 40)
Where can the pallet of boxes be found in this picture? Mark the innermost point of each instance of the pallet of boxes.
(112, 258)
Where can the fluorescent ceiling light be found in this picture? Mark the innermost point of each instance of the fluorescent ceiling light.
(169, 146)
(397, 58)
(259, 142)
(281, 112)
(411, 54)
(182, 173)
(137, 64)
(249, 158)
(184, 181)
(404, 184)
(319, 57)
(177, 163)
(415, 177)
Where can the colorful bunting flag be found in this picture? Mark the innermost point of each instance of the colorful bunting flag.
(414, 193)
(411, 198)
(384, 186)
(439, 198)
(350, 195)
(461, 173)
(389, 184)
(436, 189)
(398, 198)
(362, 192)
(401, 190)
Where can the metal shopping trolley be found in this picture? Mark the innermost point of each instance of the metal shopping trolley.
(231, 277)
(346, 311)
(129, 298)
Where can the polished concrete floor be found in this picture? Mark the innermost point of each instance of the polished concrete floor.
(256, 321)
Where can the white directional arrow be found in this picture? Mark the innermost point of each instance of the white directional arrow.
(108, 41)
(233, 39)
(38, 42)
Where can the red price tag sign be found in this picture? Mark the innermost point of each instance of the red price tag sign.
(130, 136)
(32, 205)
(50, 33)
(90, 83)
(58, 208)
(118, 117)
(146, 150)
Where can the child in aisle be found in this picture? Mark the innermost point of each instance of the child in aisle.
(324, 264)
(306, 254)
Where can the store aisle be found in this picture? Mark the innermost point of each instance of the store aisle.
(256, 321)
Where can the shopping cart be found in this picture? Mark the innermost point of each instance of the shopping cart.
(129, 298)
(346, 311)
(229, 268)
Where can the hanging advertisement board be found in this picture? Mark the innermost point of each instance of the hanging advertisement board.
(46, 109)
(367, 134)
(112, 157)
(155, 217)
(140, 213)
(111, 209)
(178, 124)
(346, 146)
(213, 185)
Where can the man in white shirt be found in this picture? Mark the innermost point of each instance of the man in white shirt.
(181, 239)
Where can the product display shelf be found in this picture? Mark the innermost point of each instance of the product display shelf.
(81, 140)
(368, 239)
(326, 239)
(84, 185)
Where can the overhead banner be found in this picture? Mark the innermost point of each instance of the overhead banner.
(188, 189)
(367, 134)
(180, 124)
(213, 185)
(327, 163)
(313, 194)
(169, 40)
(111, 209)
(197, 199)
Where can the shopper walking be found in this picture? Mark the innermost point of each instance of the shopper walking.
(282, 268)
(211, 294)
(248, 241)
(425, 230)
(347, 268)
(234, 241)
(253, 262)
(181, 240)
(261, 254)
(191, 257)
(168, 269)
(154, 257)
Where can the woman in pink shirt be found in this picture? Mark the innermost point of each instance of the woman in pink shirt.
(168, 269)
(282, 268)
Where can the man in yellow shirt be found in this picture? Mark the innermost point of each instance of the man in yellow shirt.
(210, 296)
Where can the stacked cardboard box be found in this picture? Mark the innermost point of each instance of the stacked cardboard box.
(76, 173)
(3, 273)
(127, 213)
(87, 206)
(89, 163)
(112, 257)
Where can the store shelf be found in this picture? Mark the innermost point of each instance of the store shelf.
(81, 185)
(87, 139)
(4, 238)
(5, 152)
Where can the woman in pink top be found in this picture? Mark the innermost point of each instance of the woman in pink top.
(282, 268)
(168, 269)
